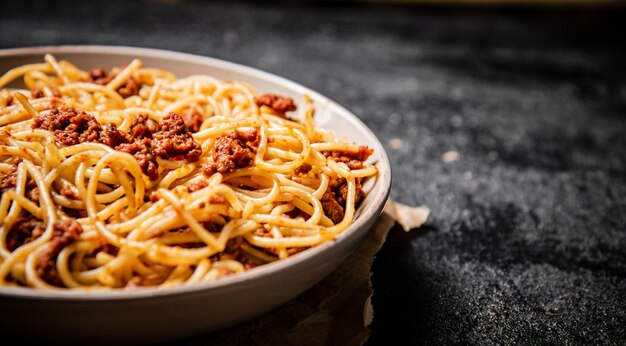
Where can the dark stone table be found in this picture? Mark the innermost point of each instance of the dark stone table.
(527, 238)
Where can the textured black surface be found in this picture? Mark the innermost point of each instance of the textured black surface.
(527, 239)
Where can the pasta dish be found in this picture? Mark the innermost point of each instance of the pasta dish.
(133, 177)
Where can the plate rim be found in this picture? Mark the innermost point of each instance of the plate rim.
(226, 283)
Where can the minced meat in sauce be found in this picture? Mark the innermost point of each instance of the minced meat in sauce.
(141, 149)
(33, 194)
(131, 88)
(234, 149)
(334, 200)
(101, 77)
(279, 104)
(354, 160)
(64, 233)
(331, 207)
(68, 192)
(195, 186)
(23, 230)
(8, 179)
(193, 120)
(70, 126)
(174, 141)
(8, 100)
(303, 169)
(146, 139)
(108, 249)
(37, 93)
(113, 137)
(143, 127)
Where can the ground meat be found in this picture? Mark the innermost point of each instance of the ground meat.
(233, 244)
(64, 233)
(199, 185)
(32, 191)
(173, 124)
(334, 200)
(233, 150)
(141, 149)
(108, 249)
(113, 137)
(340, 187)
(154, 197)
(8, 179)
(279, 104)
(68, 192)
(100, 76)
(70, 126)
(354, 160)
(37, 93)
(263, 232)
(25, 229)
(33, 194)
(193, 120)
(74, 213)
(304, 169)
(8, 100)
(331, 207)
(174, 141)
(143, 127)
(213, 225)
(146, 139)
(297, 212)
(131, 88)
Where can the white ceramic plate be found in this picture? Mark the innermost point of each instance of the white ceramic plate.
(165, 314)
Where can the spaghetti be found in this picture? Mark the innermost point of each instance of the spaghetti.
(133, 178)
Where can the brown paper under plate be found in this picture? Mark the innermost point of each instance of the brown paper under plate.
(336, 311)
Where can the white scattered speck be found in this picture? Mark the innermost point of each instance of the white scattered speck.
(468, 175)
(396, 143)
(450, 156)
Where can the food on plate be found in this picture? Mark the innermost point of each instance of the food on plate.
(133, 177)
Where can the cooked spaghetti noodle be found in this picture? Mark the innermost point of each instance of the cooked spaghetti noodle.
(133, 177)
